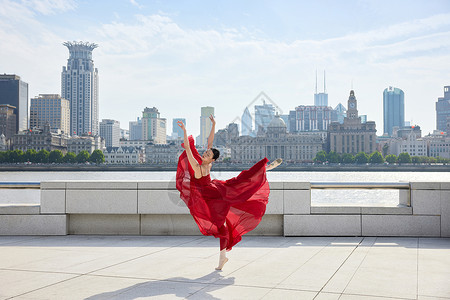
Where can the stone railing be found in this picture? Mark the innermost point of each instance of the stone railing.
(154, 208)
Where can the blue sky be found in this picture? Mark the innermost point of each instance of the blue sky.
(181, 55)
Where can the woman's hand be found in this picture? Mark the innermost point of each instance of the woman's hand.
(181, 124)
(211, 117)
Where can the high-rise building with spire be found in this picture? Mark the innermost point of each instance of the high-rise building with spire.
(321, 99)
(79, 85)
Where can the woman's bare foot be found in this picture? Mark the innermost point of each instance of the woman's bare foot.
(222, 263)
(274, 164)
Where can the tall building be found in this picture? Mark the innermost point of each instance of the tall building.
(177, 132)
(393, 109)
(352, 136)
(51, 109)
(341, 112)
(79, 85)
(7, 121)
(136, 129)
(443, 110)
(313, 118)
(321, 99)
(205, 125)
(14, 91)
(246, 123)
(153, 127)
(263, 116)
(110, 131)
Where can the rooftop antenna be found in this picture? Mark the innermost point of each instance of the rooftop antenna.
(316, 81)
(352, 84)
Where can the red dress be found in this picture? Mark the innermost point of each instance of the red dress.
(225, 209)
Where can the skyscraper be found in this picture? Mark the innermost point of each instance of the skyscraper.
(136, 130)
(51, 109)
(79, 85)
(393, 109)
(321, 99)
(153, 127)
(177, 132)
(443, 110)
(205, 124)
(246, 123)
(14, 91)
(110, 131)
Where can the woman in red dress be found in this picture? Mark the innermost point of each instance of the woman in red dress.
(225, 209)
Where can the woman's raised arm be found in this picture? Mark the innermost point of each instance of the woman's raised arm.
(192, 161)
(211, 134)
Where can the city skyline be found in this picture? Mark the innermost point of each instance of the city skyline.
(180, 56)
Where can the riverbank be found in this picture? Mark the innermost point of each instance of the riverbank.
(225, 167)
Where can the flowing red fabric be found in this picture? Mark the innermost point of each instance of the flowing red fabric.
(225, 209)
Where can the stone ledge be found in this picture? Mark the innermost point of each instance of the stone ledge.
(425, 185)
(101, 185)
(19, 209)
(322, 225)
(53, 185)
(393, 225)
(33, 225)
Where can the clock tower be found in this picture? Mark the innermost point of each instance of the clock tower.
(352, 136)
(352, 111)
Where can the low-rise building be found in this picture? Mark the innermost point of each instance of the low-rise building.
(39, 139)
(89, 143)
(163, 153)
(275, 143)
(122, 155)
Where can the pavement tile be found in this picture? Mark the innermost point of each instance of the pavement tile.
(14, 283)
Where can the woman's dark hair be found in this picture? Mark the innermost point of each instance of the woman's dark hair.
(216, 153)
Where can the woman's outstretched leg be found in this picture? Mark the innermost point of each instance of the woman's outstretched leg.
(223, 253)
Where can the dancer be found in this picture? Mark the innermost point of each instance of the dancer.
(225, 209)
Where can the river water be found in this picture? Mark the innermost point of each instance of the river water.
(336, 197)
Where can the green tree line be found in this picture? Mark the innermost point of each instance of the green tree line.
(375, 158)
(55, 156)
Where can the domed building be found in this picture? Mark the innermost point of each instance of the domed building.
(275, 143)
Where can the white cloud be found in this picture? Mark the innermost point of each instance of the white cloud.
(153, 61)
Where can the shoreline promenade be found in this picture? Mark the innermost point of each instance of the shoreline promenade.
(182, 267)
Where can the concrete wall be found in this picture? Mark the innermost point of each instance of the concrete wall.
(154, 208)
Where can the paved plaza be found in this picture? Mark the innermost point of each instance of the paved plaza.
(182, 267)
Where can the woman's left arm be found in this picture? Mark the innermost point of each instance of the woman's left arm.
(211, 134)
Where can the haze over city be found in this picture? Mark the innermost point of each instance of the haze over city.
(181, 55)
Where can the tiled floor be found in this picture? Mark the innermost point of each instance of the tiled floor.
(179, 267)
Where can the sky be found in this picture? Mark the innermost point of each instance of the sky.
(181, 55)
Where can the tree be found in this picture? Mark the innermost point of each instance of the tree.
(404, 158)
(42, 156)
(432, 160)
(361, 158)
(376, 158)
(347, 158)
(321, 157)
(16, 156)
(83, 157)
(97, 157)
(30, 155)
(333, 157)
(416, 159)
(70, 158)
(55, 156)
(391, 158)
